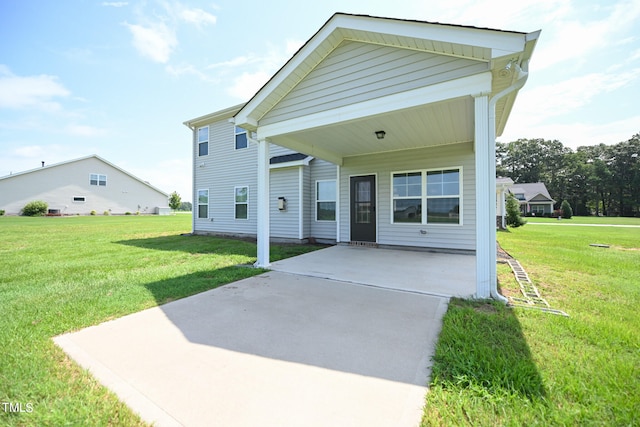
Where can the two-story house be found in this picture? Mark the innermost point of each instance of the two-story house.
(377, 131)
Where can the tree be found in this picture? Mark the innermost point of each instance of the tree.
(513, 212)
(174, 201)
(567, 212)
(185, 206)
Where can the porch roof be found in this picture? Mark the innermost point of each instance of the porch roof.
(435, 114)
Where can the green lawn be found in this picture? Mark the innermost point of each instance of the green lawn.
(614, 220)
(500, 366)
(66, 273)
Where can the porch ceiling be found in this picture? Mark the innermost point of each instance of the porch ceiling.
(446, 122)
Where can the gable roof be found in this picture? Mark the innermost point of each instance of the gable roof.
(480, 44)
(67, 162)
(531, 191)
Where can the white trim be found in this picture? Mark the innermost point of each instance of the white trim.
(98, 175)
(303, 162)
(465, 86)
(300, 203)
(484, 243)
(198, 204)
(198, 142)
(235, 134)
(263, 191)
(377, 200)
(235, 202)
(84, 199)
(338, 213)
(316, 201)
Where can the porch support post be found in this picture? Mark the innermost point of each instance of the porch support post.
(485, 216)
(263, 204)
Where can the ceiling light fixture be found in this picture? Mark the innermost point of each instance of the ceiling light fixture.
(380, 134)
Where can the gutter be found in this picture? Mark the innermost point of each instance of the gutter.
(522, 76)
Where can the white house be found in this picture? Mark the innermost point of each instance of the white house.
(80, 186)
(377, 131)
(533, 197)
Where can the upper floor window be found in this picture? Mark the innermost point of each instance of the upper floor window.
(203, 141)
(97, 179)
(241, 138)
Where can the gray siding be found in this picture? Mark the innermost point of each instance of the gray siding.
(59, 184)
(320, 170)
(437, 236)
(356, 72)
(285, 182)
(220, 172)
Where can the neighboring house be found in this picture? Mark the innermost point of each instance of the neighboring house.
(534, 198)
(502, 188)
(377, 131)
(80, 186)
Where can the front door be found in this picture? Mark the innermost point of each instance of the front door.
(363, 208)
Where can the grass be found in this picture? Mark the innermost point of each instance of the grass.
(62, 274)
(500, 366)
(613, 220)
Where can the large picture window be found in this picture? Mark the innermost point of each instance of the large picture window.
(427, 197)
(203, 141)
(326, 200)
(203, 204)
(242, 202)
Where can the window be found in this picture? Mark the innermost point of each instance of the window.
(437, 190)
(203, 141)
(203, 204)
(407, 197)
(79, 199)
(97, 179)
(241, 138)
(519, 196)
(242, 202)
(326, 200)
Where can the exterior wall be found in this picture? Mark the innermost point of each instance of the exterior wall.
(322, 230)
(59, 184)
(357, 71)
(285, 182)
(441, 236)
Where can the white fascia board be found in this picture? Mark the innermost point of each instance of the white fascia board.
(303, 162)
(471, 85)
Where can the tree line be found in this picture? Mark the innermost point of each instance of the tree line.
(595, 180)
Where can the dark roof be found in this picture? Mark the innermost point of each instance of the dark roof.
(287, 158)
(531, 190)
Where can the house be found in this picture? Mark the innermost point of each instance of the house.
(378, 131)
(80, 186)
(533, 197)
(502, 189)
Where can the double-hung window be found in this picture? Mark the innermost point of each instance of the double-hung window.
(242, 202)
(241, 138)
(97, 179)
(203, 141)
(203, 204)
(427, 197)
(326, 200)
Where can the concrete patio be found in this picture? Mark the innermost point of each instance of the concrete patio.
(284, 348)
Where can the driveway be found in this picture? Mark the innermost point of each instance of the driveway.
(277, 349)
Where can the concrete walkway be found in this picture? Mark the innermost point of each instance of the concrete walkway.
(277, 349)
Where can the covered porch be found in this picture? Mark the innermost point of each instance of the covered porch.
(382, 98)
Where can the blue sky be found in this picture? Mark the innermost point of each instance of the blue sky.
(118, 78)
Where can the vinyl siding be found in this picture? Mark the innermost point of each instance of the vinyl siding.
(356, 72)
(59, 184)
(320, 170)
(460, 237)
(285, 182)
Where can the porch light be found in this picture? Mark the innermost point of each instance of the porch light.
(380, 134)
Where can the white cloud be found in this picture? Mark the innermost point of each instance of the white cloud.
(115, 3)
(30, 151)
(18, 92)
(155, 41)
(197, 16)
(84, 130)
(247, 84)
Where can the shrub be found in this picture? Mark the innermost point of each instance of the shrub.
(567, 212)
(513, 212)
(106, 213)
(127, 213)
(93, 212)
(1, 212)
(35, 208)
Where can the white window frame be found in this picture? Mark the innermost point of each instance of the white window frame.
(318, 200)
(84, 199)
(98, 179)
(198, 204)
(236, 203)
(425, 198)
(239, 131)
(200, 142)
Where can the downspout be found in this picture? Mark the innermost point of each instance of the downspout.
(523, 75)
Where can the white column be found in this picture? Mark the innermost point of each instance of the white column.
(263, 204)
(485, 243)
